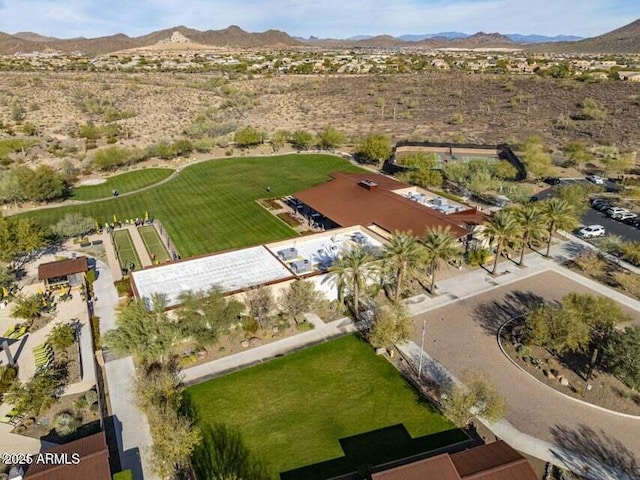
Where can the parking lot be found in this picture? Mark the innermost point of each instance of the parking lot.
(612, 227)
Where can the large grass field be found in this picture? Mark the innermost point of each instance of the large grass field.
(125, 249)
(123, 183)
(294, 410)
(153, 243)
(212, 206)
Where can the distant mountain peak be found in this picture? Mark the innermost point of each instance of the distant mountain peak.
(176, 37)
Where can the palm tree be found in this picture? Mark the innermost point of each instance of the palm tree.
(532, 223)
(402, 255)
(440, 246)
(559, 215)
(502, 228)
(354, 267)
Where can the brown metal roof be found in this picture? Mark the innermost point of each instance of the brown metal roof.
(434, 468)
(93, 464)
(494, 461)
(61, 268)
(346, 202)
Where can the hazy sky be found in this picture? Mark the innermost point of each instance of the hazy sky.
(323, 18)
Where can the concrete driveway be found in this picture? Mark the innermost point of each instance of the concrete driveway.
(462, 335)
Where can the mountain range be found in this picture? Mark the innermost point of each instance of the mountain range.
(515, 37)
(623, 40)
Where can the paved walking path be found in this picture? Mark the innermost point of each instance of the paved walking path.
(132, 428)
(238, 361)
(145, 259)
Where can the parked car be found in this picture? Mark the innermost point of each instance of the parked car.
(602, 206)
(551, 180)
(616, 211)
(632, 220)
(596, 179)
(596, 201)
(592, 231)
(623, 217)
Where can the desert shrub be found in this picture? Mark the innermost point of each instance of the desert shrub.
(589, 262)
(250, 326)
(631, 252)
(478, 257)
(65, 424)
(249, 136)
(62, 336)
(124, 475)
(110, 158)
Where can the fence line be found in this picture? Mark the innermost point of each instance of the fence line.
(166, 239)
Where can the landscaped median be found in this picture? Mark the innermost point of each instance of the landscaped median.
(321, 412)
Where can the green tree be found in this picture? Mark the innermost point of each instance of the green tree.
(576, 195)
(248, 137)
(550, 327)
(145, 333)
(330, 138)
(559, 215)
(391, 325)
(531, 224)
(203, 315)
(27, 307)
(35, 395)
(279, 139)
(476, 397)
(375, 148)
(19, 236)
(536, 158)
(62, 336)
(302, 140)
(261, 303)
(403, 255)
(354, 268)
(502, 228)
(299, 298)
(110, 158)
(73, 225)
(440, 247)
(622, 356)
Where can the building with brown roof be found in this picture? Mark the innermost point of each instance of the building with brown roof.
(83, 459)
(62, 271)
(494, 461)
(376, 200)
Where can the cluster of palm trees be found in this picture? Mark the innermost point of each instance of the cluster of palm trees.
(403, 258)
(520, 226)
(407, 256)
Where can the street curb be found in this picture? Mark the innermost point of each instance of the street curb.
(597, 407)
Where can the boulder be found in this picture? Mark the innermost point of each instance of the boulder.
(244, 343)
(255, 341)
(564, 382)
(381, 351)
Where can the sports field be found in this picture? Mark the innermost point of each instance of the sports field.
(212, 205)
(125, 249)
(293, 411)
(153, 243)
(123, 183)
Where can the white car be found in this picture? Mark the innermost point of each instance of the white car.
(592, 231)
(596, 179)
(613, 211)
(624, 216)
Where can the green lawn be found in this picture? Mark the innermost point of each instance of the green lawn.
(294, 410)
(212, 206)
(153, 243)
(123, 183)
(125, 249)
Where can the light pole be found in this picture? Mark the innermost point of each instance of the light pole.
(424, 326)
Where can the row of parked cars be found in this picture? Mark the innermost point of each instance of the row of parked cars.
(616, 213)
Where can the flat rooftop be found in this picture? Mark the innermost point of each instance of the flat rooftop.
(322, 250)
(229, 271)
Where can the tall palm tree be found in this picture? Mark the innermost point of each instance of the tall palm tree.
(501, 228)
(559, 215)
(532, 225)
(354, 267)
(403, 255)
(440, 246)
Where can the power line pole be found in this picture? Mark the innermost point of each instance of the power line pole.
(424, 326)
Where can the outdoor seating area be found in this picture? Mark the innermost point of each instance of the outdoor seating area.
(43, 355)
(13, 417)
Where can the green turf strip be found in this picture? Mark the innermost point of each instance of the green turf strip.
(125, 249)
(211, 206)
(292, 411)
(153, 243)
(123, 183)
